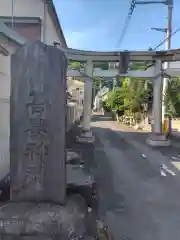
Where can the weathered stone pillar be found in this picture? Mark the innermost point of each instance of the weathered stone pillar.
(157, 98)
(37, 158)
(88, 96)
(37, 128)
(86, 135)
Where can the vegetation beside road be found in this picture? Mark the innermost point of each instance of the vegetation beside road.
(134, 98)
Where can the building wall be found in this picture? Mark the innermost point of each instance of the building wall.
(22, 8)
(50, 34)
(5, 83)
(9, 45)
(27, 30)
(32, 8)
(4, 114)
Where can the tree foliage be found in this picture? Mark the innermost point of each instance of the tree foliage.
(115, 99)
(172, 97)
(129, 97)
(76, 65)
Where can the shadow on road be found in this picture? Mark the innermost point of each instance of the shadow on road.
(125, 131)
(132, 192)
(109, 199)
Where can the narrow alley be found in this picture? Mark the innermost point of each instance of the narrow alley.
(138, 186)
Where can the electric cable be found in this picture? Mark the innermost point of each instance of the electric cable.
(127, 21)
(160, 44)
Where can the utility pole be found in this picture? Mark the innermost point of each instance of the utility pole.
(167, 46)
(168, 31)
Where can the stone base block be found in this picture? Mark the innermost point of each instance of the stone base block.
(82, 183)
(158, 140)
(45, 220)
(74, 158)
(86, 137)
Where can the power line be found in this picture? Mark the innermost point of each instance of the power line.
(131, 10)
(161, 43)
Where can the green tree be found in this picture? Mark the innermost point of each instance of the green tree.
(115, 99)
(136, 95)
(172, 97)
(75, 65)
(130, 97)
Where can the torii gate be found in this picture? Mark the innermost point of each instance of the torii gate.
(156, 73)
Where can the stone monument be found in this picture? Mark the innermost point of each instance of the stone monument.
(37, 125)
(38, 206)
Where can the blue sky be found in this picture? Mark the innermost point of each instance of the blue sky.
(97, 24)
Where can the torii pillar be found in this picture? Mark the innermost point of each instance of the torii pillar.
(87, 133)
(157, 138)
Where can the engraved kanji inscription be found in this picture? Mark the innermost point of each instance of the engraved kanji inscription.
(38, 139)
(37, 128)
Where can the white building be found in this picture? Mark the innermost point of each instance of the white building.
(21, 20)
(33, 19)
(9, 41)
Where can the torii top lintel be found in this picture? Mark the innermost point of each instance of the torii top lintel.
(84, 56)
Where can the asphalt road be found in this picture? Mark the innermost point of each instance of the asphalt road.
(138, 187)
